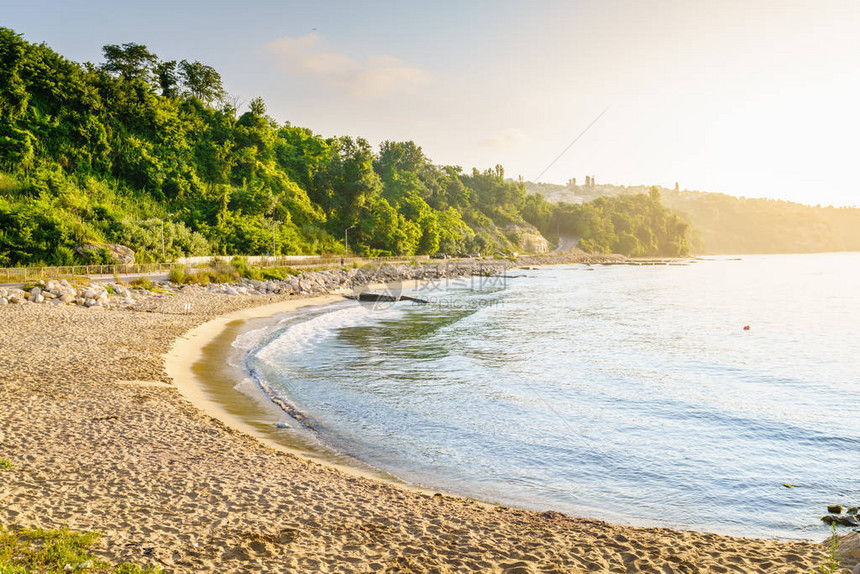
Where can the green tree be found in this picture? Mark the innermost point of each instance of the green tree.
(167, 77)
(130, 61)
(201, 81)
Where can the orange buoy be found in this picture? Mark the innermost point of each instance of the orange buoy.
(746, 327)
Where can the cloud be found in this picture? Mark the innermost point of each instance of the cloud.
(376, 77)
(302, 56)
(510, 137)
(384, 76)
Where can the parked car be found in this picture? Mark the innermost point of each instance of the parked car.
(439, 256)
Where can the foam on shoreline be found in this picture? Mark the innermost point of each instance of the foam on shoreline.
(208, 369)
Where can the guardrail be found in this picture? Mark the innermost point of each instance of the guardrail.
(26, 274)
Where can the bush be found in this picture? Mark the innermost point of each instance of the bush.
(277, 273)
(199, 278)
(240, 264)
(223, 272)
(177, 275)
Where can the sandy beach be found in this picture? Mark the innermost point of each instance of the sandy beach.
(108, 430)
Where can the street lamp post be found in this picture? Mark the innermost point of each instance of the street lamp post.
(163, 255)
(274, 227)
(346, 240)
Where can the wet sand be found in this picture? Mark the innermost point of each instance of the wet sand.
(103, 438)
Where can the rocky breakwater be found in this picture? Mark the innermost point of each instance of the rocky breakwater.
(116, 295)
(342, 280)
(61, 292)
(574, 256)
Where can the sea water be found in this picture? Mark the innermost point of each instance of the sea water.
(627, 393)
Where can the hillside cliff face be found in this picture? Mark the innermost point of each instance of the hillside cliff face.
(534, 243)
(528, 238)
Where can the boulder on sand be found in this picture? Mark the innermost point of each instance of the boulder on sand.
(849, 546)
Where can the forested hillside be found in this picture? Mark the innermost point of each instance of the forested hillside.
(94, 154)
(724, 224)
(636, 225)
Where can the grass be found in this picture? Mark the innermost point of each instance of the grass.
(4, 464)
(56, 552)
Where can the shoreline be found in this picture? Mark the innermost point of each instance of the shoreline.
(189, 350)
(212, 388)
(99, 439)
(189, 353)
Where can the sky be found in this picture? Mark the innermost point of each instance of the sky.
(748, 98)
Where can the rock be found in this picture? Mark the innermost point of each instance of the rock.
(4, 301)
(414, 299)
(118, 253)
(35, 292)
(840, 519)
(856, 569)
(849, 546)
(36, 298)
(834, 509)
(853, 510)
